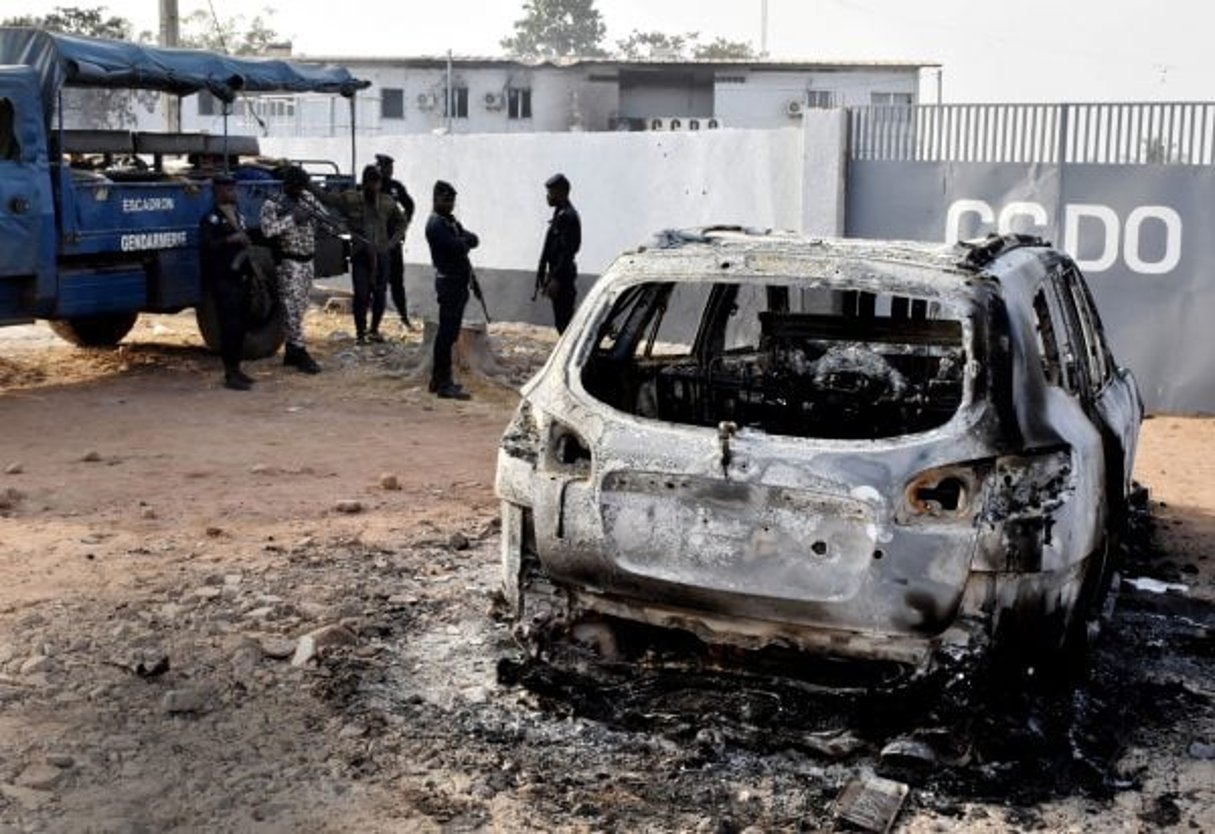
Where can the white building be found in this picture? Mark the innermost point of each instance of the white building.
(502, 95)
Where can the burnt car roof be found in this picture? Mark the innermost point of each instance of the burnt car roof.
(944, 268)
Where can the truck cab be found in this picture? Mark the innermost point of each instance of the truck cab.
(27, 209)
(97, 226)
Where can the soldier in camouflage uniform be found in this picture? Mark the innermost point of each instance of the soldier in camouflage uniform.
(291, 223)
(371, 214)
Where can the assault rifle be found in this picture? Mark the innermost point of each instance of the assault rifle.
(475, 286)
(323, 219)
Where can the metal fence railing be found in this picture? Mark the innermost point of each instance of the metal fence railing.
(1168, 133)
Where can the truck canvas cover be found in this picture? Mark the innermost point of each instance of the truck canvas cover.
(72, 61)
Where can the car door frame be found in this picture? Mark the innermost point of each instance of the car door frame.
(1112, 397)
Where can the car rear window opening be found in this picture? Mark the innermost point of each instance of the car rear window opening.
(786, 360)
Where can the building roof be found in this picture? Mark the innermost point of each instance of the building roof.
(769, 65)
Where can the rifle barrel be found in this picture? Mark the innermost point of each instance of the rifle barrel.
(320, 217)
(475, 285)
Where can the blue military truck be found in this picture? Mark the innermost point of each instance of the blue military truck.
(91, 247)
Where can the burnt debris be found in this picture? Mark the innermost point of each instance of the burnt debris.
(785, 361)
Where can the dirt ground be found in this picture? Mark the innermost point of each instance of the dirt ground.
(174, 553)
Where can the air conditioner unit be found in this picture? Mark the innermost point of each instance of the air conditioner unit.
(494, 101)
(794, 107)
(427, 101)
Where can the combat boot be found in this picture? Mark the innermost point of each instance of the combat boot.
(307, 364)
(436, 384)
(452, 391)
(236, 380)
(298, 357)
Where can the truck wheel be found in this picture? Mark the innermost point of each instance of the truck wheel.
(265, 332)
(95, 331)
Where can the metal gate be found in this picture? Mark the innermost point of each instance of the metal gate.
(1125, 188)
(1180, 133)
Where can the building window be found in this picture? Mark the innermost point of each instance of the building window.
(206, 104)
(890, 98)
(820, 99)
(519, 103)
(256, 110)
(392, 103)
(458, 103)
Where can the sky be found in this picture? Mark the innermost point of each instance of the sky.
(1022, 51)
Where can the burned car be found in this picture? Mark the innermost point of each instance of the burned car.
(890, 452)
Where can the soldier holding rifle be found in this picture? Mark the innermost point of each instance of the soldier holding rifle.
(450, 244)
(223, 244)
(291, 222)
(370, 213)
(396, 264)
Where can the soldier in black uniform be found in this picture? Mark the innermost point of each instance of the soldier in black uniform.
(222, 241)
(396, 265)
(449, 246)
(557, 275)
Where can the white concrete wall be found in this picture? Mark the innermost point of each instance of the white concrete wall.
(551, 97)
(760, 100)
(824, 166)
(562, 100)
(626, 185)
(316, 115)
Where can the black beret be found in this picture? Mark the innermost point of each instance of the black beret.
(557, 181)
(383, 159)
(444, 189)
(295, 176)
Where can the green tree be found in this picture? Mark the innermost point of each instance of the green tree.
(721, 49)
(232, 35)
(73, 20)
(92, 108)
(640, 45)
(557, 28)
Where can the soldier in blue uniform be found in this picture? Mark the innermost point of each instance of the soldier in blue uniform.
(223, 242)
(449, 246)
(557, 274)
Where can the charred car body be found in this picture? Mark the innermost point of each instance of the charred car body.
(893, 452)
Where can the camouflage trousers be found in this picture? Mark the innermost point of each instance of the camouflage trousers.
(294, 284)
